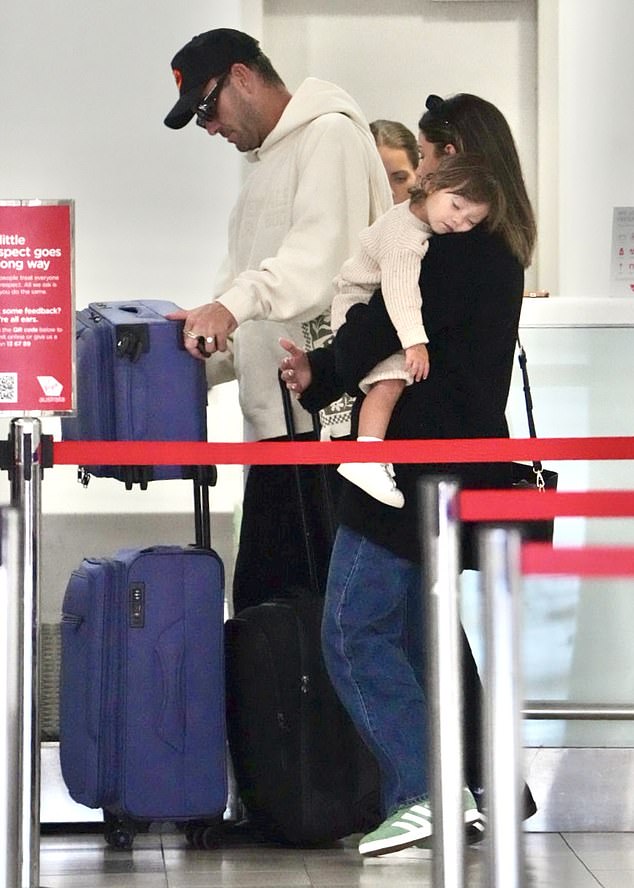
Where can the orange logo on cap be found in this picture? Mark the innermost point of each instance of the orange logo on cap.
(178, 77)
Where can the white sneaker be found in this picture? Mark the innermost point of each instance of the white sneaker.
(377, 479)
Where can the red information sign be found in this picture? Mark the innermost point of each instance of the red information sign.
(36, 307)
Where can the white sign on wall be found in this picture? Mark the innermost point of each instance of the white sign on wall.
(622, 258)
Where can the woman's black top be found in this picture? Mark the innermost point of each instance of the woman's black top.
(472, 294)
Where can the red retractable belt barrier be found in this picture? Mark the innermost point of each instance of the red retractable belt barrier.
(588, 561)
(465, 450)
(511, 505)
(475, 505)
(542, 558)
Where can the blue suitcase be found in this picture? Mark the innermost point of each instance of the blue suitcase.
(135, 382)
(142, 708)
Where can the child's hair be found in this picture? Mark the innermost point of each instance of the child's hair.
(472, 124)
(469, 176)
(393, 134)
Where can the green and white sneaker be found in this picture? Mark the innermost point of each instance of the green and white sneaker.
(474, 821)
(406, 827)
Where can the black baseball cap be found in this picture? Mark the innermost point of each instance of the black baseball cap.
(205, 56)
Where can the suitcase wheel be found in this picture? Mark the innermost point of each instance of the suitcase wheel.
(118, 831)
(204, 835)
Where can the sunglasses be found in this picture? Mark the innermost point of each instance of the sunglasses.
(206, 109)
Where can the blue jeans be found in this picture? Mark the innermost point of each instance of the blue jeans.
(375, 662)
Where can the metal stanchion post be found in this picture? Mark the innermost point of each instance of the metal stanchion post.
(26, 484)
(440, 535)
(10, 700)
(499, 553)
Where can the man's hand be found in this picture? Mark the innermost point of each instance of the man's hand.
(207, 328)
(417, 361)
(295, 367)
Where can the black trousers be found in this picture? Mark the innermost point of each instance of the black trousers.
(272, 557)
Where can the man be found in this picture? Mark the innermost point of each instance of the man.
(316, 181)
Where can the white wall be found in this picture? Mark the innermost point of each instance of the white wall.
(390, 56)
(595, 73)
(85, 88)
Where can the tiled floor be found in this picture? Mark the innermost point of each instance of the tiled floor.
(570, 860)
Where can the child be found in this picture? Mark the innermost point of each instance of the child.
(460, 194)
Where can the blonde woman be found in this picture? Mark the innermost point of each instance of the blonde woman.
(398, 148)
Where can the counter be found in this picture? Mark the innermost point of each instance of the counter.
(567, 311)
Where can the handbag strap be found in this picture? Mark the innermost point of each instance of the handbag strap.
(528, 401)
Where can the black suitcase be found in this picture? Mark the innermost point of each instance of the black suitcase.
(303, 773)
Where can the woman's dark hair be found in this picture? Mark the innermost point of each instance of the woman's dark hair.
(473, 125)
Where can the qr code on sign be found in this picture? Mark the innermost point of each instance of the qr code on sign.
(8, 388)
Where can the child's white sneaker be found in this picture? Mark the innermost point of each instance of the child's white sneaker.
(377, 479)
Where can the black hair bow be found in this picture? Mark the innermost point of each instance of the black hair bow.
(434, 104)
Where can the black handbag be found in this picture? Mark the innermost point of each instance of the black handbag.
(532, 475)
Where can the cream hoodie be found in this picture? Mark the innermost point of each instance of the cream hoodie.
(316, 181)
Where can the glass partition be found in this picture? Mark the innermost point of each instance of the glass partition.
(577, 632)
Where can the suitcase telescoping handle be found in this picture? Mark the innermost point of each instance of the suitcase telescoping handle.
(204, 477)
(323, 482)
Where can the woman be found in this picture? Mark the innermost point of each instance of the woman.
(399, 152)
(472, 285)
